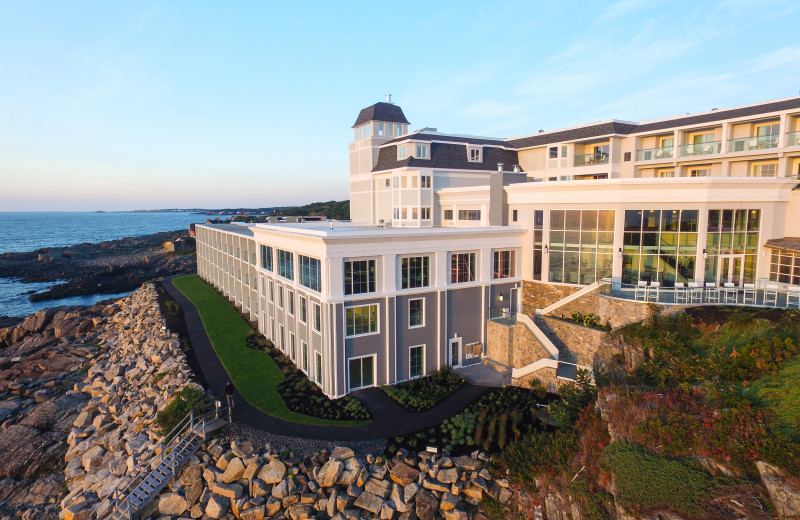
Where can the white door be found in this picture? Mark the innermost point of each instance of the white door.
(455, 352)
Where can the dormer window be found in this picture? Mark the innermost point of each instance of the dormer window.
(401, 152)
(422, 151)
(474, 154)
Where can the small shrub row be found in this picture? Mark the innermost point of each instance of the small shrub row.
(422, 394)
(302, 395)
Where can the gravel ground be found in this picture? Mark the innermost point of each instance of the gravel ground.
(301, 447)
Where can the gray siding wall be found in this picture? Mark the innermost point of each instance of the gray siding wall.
(409, 337)
(464, 316)
(368, 344)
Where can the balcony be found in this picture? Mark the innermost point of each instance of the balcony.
(746, 144)
(591, 158)
(793, 139)
(695, 149)
(654, 154)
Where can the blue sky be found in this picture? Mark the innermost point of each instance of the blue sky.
(128, 105)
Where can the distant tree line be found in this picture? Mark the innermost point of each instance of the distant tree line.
(337, 210)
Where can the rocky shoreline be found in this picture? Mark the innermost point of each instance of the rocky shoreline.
(111, 267)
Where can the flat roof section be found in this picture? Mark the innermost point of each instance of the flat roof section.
(356, 230)
(240, 229)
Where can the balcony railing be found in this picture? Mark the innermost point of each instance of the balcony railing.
(793, 139)
(654, 154)
(691, 150)
(756, 142)
(591, 158)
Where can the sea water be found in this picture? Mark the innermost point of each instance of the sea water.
(29, 231)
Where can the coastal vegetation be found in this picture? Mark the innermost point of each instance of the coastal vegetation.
(424, 393)
(336, 210)
(253, 372)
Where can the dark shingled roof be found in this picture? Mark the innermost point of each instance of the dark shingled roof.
(446, 155)
(791, 244)
(584, 132)
(381, 112)
(420, 136)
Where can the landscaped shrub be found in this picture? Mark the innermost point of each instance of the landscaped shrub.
(575, 396)
(185, 401)
(423, 393)
(539, 453)
(645, 480)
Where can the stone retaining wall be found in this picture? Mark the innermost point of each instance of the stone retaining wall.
(583, 342)
(513, 346)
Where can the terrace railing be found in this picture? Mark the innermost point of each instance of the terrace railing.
(746, 144)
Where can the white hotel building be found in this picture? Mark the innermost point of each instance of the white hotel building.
(446, 227)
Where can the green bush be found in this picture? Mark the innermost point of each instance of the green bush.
(185, 401)
(645, 480)
(539, 453)
(422, 394)
(574, 398)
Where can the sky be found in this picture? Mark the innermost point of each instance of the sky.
(147, 104)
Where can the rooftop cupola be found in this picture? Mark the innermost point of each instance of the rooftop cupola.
(383, 119)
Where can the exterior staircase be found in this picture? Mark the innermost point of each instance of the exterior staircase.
(167, 459)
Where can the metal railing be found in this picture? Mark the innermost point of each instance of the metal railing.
(654, 154)
(502, 315)
(763, 294)
(591, 158)
(189, 425)
(756, 142)
(691, 150)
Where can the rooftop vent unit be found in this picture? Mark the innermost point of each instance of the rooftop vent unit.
(388, 98)
(499, 167)
(516, 168)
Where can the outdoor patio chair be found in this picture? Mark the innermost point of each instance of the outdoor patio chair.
(641, 291)
(771, 295)
(695, 292)
(793, 296)
(653, 291)
(681, 294)
(712, 292)
(730, 293)
(749, 295)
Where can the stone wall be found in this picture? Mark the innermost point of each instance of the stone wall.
(538, 295)
(583, 342)
(513, 346)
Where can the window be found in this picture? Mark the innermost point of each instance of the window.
(553, 152)
(425, 213)
(290, 297)
(362, 319)
(285, 264)
(422, 151)
(416, 361)
(398, 130)
(305, 356)
(271, 291)
(425, 181)
(280, 297)
(292, 350)
(388, 183)
(474, 154)
(309, 272)
(666, 173)
(280, 338)
(317, 317)
(785, 267)
(699, 172)
(319, 367)
(448, 214)
(401, 153)
(414, 181)
(416, 313)
(302, 309)
(415, 272)
(266, 257)
(564, 151)
(469, 214)
(380, 128)
(732, 232)
(627, 156)
(765, 169)
(359, 277)
(581, 245)
(361, 372)
(504, 264)
(462, 267)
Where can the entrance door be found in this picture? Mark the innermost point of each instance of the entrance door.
(730, 269)
(455, 352)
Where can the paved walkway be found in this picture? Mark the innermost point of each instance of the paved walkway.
(389, 418)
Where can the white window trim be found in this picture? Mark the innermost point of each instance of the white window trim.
(374, 371)
(281, 336)
(290, 302)
(423, 361)
(314, 307)
(302, 300)
(317, 356)
(271, 291)
(292, 342)
(431, 272)
(408, 313)
(377, 324)
(280, 297)
(303, 357)
(478, 149)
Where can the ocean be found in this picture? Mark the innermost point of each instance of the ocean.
(29, 231)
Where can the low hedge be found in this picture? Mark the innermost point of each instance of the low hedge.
(422, 394)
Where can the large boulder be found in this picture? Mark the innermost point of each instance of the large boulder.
(273, 472)
(329, 473)
(171, 504)
(403, 474)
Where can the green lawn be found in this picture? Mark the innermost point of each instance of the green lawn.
(253, 372)
(782, 393)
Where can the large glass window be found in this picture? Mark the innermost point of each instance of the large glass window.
(785, 267)
(503, 264)
(462, 267)
(266, 257)
(581, 245)
(415, 272)
(361, 320)
(359, 277)
(416, 312)
(469, 214)
(659, 246)
(732, 233)
(309, 272)
(286, 264)
(416, 361)
(538, 228)
(361, 372)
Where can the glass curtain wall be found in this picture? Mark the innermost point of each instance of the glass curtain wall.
(732, 234)
(659, 246)
(581, 245)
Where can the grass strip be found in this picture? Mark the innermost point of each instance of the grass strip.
(254, 373)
